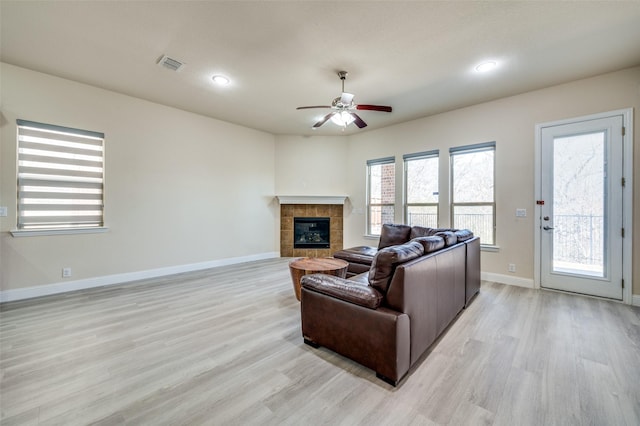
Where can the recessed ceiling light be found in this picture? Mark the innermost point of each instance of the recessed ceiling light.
(220, 80)
(486, 66)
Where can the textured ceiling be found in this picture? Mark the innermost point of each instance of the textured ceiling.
(416, 56)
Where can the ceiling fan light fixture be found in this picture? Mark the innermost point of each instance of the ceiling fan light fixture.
(343, 110)
(342, 119)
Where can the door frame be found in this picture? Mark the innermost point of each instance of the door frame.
(627, 195)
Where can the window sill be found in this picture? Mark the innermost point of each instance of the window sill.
(489, 248)
(371, 237)
(44, 232)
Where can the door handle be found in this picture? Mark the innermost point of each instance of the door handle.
(547, 228)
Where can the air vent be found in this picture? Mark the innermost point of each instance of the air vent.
(170, 63)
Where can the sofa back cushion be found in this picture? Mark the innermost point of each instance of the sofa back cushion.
(430, 244)
(449, 237)
(393, 235)
(386, 260)
(420, 231)
(463, 235)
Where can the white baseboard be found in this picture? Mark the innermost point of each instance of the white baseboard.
(507, 279)
(528, 283)
(66, 286)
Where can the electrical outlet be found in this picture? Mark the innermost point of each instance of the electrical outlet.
(3, 211)
(512, 267)
(66, 272)
(521, 212)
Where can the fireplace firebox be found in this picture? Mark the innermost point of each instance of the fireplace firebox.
(311, 232)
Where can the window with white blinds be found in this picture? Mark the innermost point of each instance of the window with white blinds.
(60, 177)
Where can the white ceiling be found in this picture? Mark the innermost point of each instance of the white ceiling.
(417, 56)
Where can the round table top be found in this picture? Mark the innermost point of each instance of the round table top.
(318, 264)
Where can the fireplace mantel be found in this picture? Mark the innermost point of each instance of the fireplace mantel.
(311, 199)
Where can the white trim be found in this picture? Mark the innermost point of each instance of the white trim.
(627, 197)
(66, 231)
(66, 286)
(507, 279)
(627, 208)
(311, 199)
(635, 300)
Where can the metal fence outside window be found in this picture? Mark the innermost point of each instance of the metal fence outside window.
(578, 239)
(480, 224)
(427, 220)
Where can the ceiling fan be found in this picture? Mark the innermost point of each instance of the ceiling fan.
(344, 109)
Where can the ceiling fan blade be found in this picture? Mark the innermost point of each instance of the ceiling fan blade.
(314, 106)
(324, 119)
(358, 121)
(374, 108)
(346, 98)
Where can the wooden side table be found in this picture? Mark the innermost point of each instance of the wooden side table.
(315, 265)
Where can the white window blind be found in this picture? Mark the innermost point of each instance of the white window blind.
(60, 177)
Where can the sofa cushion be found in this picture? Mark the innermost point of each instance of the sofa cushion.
(347, 290)
(420, 231)
(362, 278)
(386, 260)
(449, 237)
(393, 235)
(463, 235)
(360, 254)
(430, 244)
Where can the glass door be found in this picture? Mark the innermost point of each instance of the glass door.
(581, 218)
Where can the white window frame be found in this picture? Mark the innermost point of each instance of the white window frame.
(468, 149)
(370, 205)
(60, 180)
(407, 159)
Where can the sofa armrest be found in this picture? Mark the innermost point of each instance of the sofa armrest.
(360, 254)
(340, 288)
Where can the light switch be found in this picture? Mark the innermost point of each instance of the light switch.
(521, 212)
(3, 211)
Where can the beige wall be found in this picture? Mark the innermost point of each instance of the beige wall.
(311, 165)
(178, 183)
(510, 122)
(180, 188)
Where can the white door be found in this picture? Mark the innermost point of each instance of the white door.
(581, 221)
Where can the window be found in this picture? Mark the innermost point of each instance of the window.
(472, 190)
(421, 189)
(60, 177)
(381, 193)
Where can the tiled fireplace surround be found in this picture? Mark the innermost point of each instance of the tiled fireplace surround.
(289, 211)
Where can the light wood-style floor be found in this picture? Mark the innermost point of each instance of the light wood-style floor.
(223, 347)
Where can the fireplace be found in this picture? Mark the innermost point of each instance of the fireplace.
(306, 210)
(311, 232)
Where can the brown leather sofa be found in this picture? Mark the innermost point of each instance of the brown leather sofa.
(387, 317)
(360, 257)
